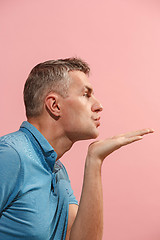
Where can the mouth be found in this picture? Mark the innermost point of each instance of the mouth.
(97, 121)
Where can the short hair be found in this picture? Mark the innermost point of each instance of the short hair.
(49, 76)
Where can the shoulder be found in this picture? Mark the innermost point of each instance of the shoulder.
(9, 145)
(16, 143)
(14, 139)
(9, 159)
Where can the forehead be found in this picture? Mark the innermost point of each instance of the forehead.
(79, 81)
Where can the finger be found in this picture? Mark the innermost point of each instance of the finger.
(139, 132)
(131, 140)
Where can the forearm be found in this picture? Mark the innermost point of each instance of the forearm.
(89, 220)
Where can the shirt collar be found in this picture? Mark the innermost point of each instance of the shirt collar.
(47, 149)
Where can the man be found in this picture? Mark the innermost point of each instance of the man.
(36, 199)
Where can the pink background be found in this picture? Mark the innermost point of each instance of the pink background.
(121, 41)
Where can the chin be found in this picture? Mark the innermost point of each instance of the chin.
(94, 134)
(84, 135)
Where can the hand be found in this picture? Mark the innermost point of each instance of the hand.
(101, 149)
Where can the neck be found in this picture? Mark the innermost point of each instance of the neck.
(54, 135)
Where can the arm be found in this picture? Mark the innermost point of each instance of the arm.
(73, 208)
(9, 175)
(88, 223)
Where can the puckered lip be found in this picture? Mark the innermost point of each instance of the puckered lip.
(97, 121)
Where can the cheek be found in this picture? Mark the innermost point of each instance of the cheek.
(70, 115)
(74, 107)
(77, 111)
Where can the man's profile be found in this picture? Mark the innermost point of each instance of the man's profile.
(36, 198)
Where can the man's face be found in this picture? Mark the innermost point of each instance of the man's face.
(80, 110)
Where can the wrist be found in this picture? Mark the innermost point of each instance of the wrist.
(93, 162)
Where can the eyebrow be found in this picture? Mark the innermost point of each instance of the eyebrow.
(89, 89)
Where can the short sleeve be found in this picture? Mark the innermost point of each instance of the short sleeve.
(61, 174)
(9, 175)
(72, 198)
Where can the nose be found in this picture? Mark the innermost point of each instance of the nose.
(96, 107)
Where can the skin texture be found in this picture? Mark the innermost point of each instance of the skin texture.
(80, 110)
(67, 120)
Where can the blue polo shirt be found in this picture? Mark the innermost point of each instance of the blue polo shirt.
(35, 190)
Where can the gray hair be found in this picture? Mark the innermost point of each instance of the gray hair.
(49, 76)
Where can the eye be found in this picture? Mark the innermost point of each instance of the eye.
(86, 94)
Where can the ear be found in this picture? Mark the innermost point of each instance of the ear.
(52, 104)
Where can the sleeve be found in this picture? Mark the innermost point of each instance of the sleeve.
(72, 198)
(9, 175)
(63, 175)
